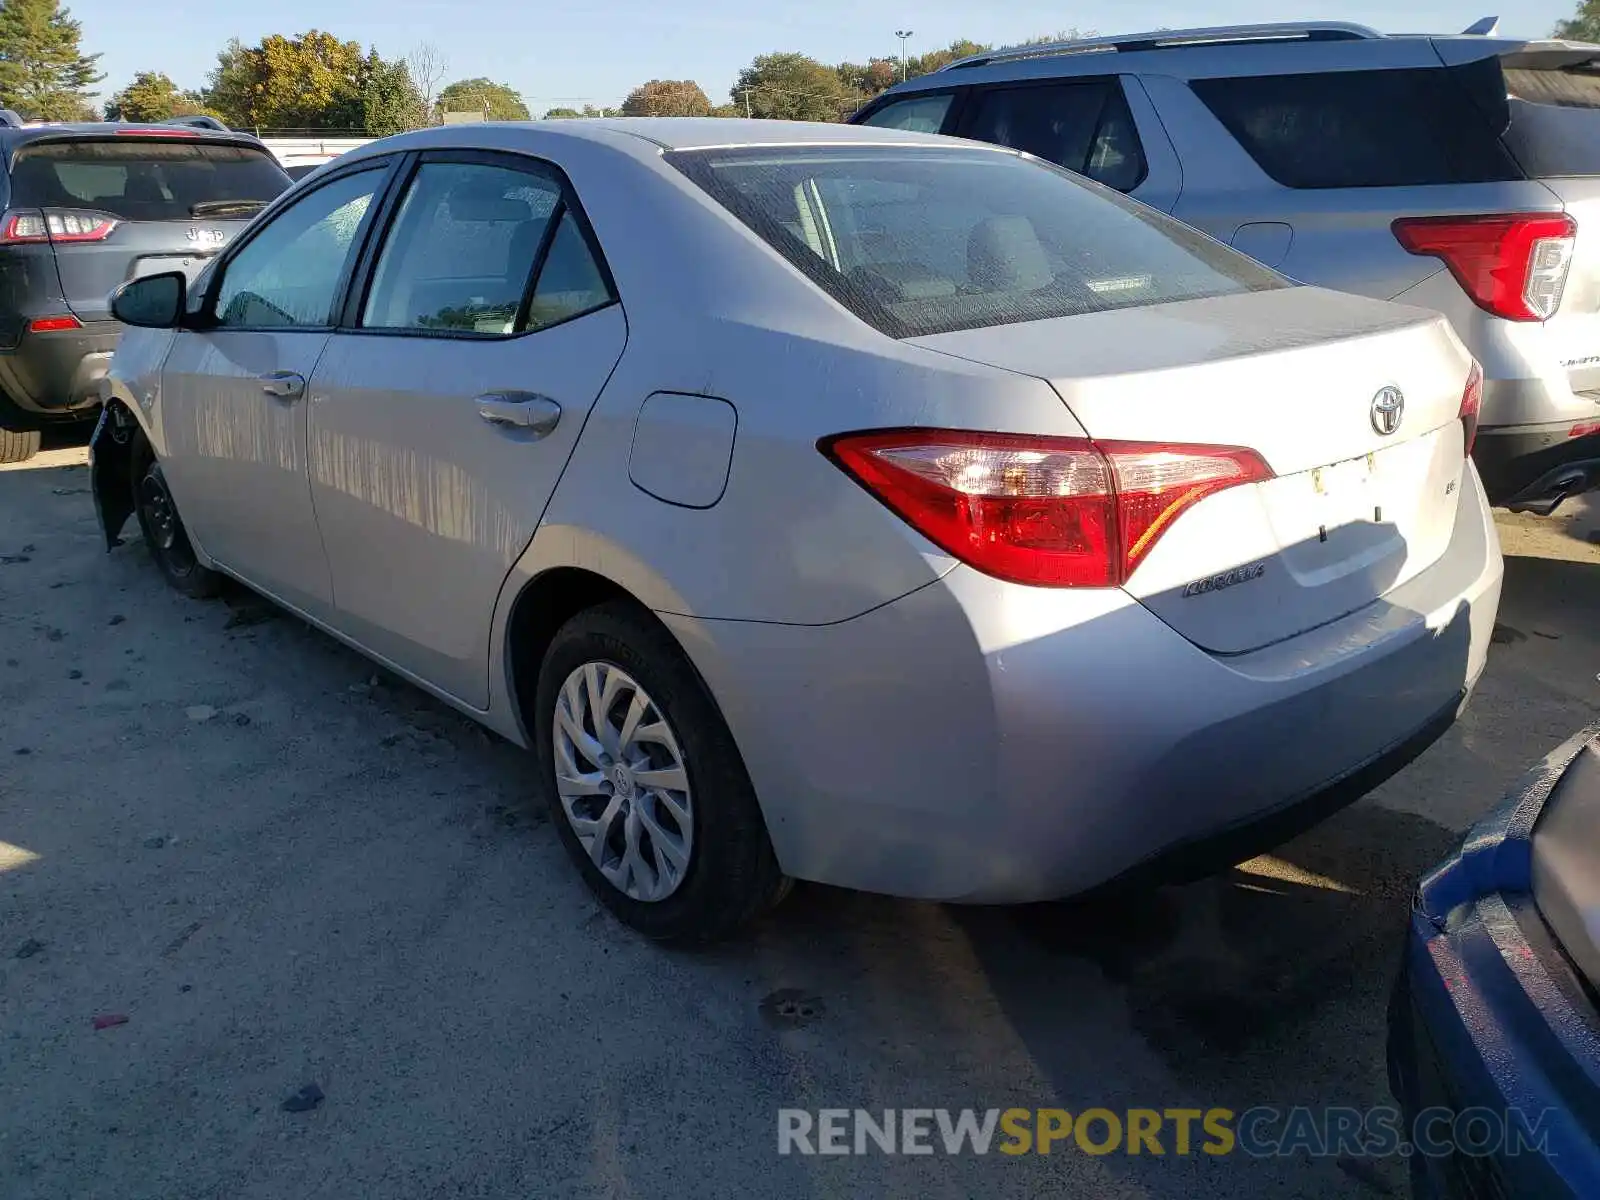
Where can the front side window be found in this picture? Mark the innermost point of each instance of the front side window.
(927, 240)
(465, 246)
(921, 114)
(1346, 129)
(288, 275)
(1084, 127)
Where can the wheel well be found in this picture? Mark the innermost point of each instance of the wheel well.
(547, 603)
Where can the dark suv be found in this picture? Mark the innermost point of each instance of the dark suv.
(84, 208)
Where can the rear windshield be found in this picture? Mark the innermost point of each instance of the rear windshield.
(141, 181)
(928, 240)
(1349, 129)
(1555, 120)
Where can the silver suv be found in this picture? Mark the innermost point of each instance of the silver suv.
(1459, 173)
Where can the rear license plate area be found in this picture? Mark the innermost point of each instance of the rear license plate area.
(160, 264)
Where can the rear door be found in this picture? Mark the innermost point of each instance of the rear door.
(444, 410)
(121, 206)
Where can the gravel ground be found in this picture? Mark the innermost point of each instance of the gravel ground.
(284, 870)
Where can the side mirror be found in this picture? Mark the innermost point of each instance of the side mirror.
(154, 302)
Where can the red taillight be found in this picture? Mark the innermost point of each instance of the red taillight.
(1513, 266)
(162, 133)
(54, 324)
(1053, 512)
(1471, 405)
(22, 225)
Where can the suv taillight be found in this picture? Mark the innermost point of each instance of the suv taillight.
(1514, 266)
(1051, 512)
(1471, 405)
(21, 225)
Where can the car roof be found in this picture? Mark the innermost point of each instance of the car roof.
(664, 133)
(1202, 51)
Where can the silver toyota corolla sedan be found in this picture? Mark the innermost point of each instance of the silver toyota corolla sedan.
(824, 503)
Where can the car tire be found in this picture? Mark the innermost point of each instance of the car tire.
(729, 875)
(18, 445)
(163, 529)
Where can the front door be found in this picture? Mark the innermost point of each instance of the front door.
(443, 416)
(234, 413)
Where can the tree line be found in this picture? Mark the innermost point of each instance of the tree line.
(316, 81)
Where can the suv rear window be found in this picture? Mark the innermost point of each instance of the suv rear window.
(1348, 129)
(141, 181)
(920, 240)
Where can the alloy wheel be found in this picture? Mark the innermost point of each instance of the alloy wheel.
(621, 778)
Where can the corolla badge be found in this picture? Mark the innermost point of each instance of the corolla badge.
(1388, 408)
(1228, 579)
(206, 239)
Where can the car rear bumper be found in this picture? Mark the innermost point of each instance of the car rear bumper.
(48, 378)
(1489, 1015)
(987, 742)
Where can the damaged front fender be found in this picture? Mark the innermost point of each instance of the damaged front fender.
(111, 470)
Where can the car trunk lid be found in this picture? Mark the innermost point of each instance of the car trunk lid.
(1363, 496)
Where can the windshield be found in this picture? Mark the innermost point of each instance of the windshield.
(143, 180)
(918, 240)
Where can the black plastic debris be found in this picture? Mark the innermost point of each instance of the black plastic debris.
(304, 1100)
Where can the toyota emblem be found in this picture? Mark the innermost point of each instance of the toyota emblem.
(1388, 407)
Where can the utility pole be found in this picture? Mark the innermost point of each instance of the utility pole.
(747, 103)
(905, 36)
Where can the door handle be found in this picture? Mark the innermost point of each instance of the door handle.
(520, 410)
(285, 385)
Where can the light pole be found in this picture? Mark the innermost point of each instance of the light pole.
(905, 36)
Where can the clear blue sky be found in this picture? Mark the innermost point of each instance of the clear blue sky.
(568, 54)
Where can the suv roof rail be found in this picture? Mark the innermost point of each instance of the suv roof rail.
(1487, 27)
(10, 119)
(198, 121)
(1160, 39)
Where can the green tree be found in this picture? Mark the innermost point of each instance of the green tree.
(312, 81)
(484, 95)
(390, 101)
(667, 98)
(44, 73)
(867, 80)
(557, 114)
(792, 87)
(926, 64)
(1584, 25)
(153, 96)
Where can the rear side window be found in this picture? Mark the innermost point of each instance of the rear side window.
(922, 114)
(142, 181)
(1084, 127)
(921, 240)
(1350, 129)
